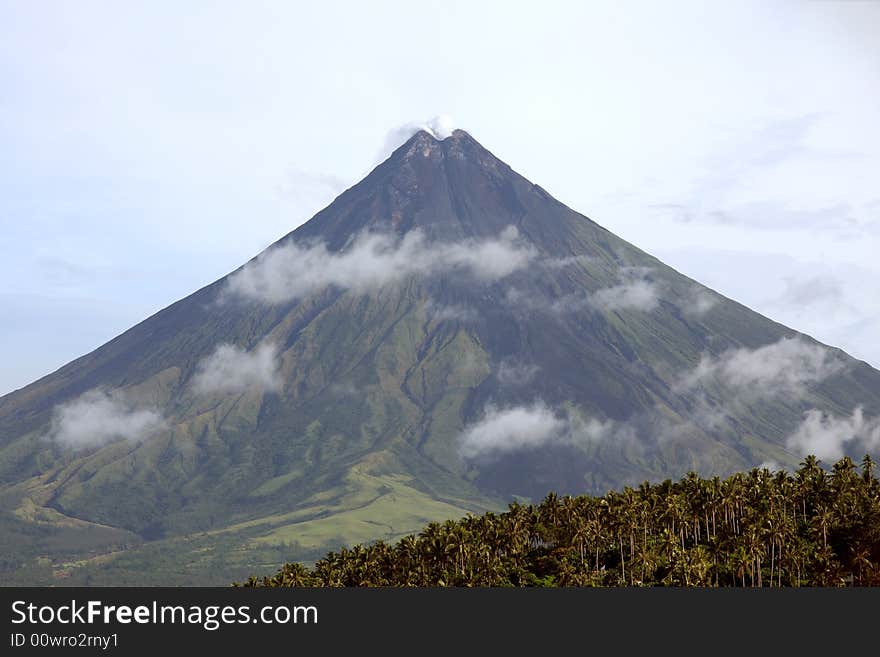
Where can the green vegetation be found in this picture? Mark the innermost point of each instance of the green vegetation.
(361, 441)
(46, 548)
(760, 529)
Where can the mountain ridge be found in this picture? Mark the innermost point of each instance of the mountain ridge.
(375, 368)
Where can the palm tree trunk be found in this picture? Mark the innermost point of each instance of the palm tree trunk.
(772, 560)
(779, 577)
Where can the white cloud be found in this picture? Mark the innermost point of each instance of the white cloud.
(700, 302)
(514, 373)
(506, 430)
(98, 417)
(232, 370)
(827, 436)
(703, 418)
(451, 312)
(787, 366)
(523, 301)
(634, 292)
(511, 429)
(291, 271)
(568, 261)
(591, 430)
(635, 295)
(440, 127)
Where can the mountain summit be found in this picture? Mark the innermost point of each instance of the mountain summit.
(451, 188)
(443, 338)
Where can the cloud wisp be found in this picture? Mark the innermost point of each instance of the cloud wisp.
(99, 417)
(504, 430)
(230, 369)
(788, 366)
(511, 372)
(291, 271)
(641, 295)
(451, 312)
(700, 302)
(440, 127)
(635, 291)
(828, 436)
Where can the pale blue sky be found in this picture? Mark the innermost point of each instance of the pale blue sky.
(148, 148)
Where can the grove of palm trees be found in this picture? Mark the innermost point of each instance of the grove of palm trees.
(759, 529)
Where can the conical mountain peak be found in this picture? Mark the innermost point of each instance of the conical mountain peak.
(450, 188)
(425, 143)
(422, 144)
(348, 386)
(455, 135)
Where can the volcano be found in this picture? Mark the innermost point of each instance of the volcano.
(444, 338)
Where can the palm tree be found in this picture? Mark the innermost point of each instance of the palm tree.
(814, 528)
(868, 470)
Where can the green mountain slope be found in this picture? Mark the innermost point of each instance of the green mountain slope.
(381, 360)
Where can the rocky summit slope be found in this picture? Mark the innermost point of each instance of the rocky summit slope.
(443, 338)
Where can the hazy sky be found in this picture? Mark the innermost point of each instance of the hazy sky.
(148, 148)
